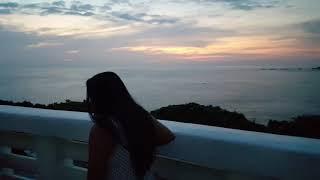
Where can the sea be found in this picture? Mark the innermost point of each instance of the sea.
(260, 93)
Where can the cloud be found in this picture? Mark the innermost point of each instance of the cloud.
(186, 30)
(250, 4)
(77, 19)
(224, 47)
(81, 7)
(56, 7)
(51, 10)
(7, 8)
(79, 13)
(312, 26)
(75, 8)
(9, 5)
(311, 33)
(59, 3)
(5, 11)
(72, 52)
(31, 6)
(78, 8)
(44, 44)
(143, 17)
(182, 34)
(246, 5)
(13, 44)
(72, 26)
(118, 2)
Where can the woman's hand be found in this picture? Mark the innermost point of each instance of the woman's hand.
(163, 134)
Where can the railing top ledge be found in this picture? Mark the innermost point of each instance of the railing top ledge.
(211, 147)
(46, 122)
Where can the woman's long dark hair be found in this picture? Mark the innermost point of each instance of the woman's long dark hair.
(109, 97)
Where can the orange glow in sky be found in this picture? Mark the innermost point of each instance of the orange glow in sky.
(180, 29)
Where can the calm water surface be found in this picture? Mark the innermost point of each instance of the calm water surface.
(259, 94)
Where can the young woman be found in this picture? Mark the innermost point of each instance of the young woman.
(123, 140)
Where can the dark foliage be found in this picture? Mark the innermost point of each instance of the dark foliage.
(206, 115)
(305, 126)
(68, 105)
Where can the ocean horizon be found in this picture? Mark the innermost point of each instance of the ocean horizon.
(261, 93)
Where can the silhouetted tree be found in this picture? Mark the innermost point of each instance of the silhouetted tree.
(305, 126)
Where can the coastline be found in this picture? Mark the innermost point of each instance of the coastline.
(303, 125)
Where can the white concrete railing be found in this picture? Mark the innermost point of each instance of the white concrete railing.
(199, 152)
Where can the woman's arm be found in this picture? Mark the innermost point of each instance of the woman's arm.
(163, 134)
(100, 151)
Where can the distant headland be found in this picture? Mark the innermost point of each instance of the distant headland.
(304, 125)
(292, 69)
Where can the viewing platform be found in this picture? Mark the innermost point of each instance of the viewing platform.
(55, 142)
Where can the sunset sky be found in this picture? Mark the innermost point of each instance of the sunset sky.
(163, 30)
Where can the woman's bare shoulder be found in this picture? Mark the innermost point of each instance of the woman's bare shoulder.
(100, 135)
(100, 151)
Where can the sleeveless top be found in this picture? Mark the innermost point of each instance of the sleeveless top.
(120, 163)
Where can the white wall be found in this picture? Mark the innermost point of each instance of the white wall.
(198, 151)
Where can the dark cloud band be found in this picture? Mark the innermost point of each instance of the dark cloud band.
(240, 4)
